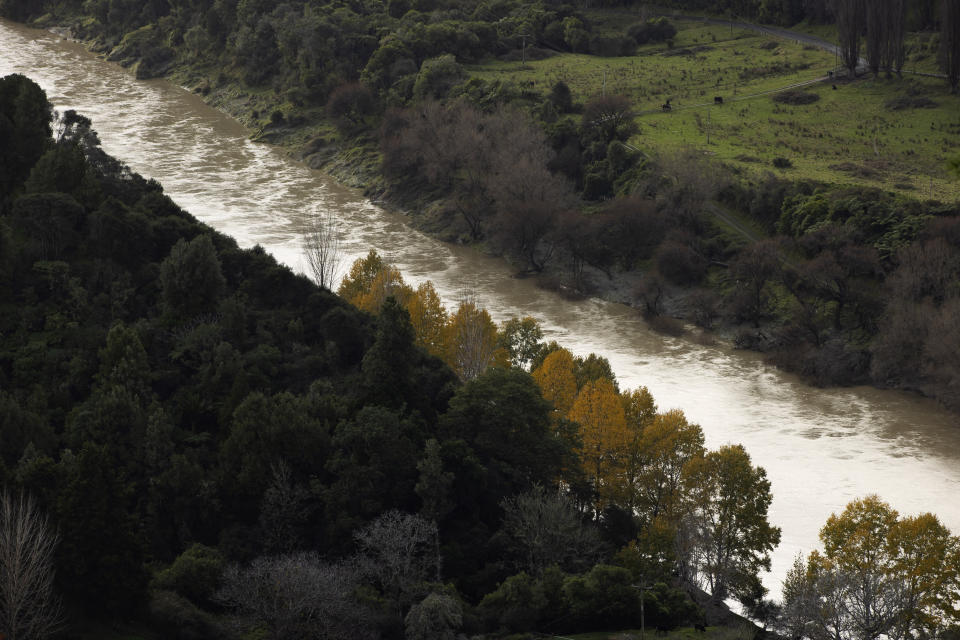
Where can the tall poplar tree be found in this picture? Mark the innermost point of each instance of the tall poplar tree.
(950, 41)
(603, 430)
(886, 22)
(850, 19)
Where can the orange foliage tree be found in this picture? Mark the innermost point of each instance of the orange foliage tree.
(429, 317)
(385, 284)
(471, 341)
(360, 278)
(557, 381)
(603, 431)
(878, 574)
(639, 410)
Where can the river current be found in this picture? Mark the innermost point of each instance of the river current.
(821, 448)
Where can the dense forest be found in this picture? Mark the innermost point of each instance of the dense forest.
(213, 446)
(200, 426)
(198, 443)
(852, 285)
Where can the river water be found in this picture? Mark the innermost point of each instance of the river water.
(820, 448)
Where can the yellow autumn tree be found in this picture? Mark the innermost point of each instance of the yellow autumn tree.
(603, 431)
(429, 317)
(471, 341)
(640, 411)
(897, 577)
(359, 279)
(387, 282)
(639, 408)
(667, 444)
(557, 381)
(926, 563)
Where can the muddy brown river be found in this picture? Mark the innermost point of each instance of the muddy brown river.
(820, 447)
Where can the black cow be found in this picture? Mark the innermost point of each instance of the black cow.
(718, 100)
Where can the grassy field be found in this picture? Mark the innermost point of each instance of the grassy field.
(851, 134)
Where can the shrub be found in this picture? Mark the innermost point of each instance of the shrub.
(656, 30)
(909, 102)
(195, 574)
(612, 46)
(596, 186)
(179, 619)
(796, 97)
(437, 76)
(561, 97)
(782, 163)
(604, 596)
(349, 104)
(680, 264)
(515, 605)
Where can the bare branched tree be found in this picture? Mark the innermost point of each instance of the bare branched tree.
(28, 606)
(399, 551)
(295, 596)
(545, 528)
(321, 246)
(283, 511)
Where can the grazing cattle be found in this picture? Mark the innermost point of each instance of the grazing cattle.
(834, 87)
(701, 628)
(666, 105)
(662, 630)
(718, 100)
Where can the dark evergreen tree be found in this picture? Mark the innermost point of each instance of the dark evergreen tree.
(388, 364)
(190, 278)
(100, 558)
(24, 130)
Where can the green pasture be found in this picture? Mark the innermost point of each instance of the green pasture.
(849, 135)
(703, 62)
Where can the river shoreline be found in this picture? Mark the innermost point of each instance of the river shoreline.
(310, 138)
(821, 447)
(355, 166)
(354, 163)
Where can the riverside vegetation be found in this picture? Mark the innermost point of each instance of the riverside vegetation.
(801, 224)
(198, 443)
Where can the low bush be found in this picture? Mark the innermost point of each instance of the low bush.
(796, 97)
(656, 30)
(909, 102)
(195, 574)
